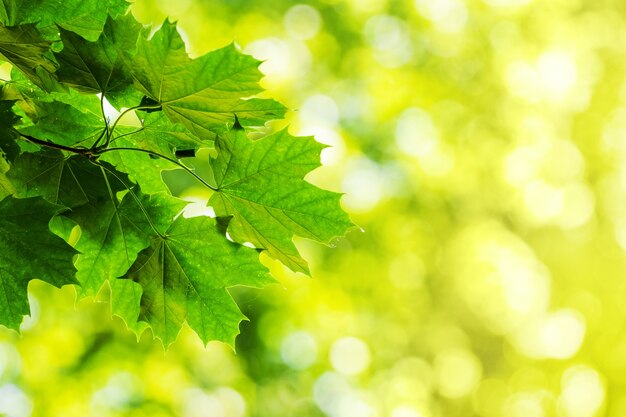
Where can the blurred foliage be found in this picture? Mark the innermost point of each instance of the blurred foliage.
(482, 148)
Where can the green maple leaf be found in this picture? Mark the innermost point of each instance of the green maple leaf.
(51, 175)
(184, 276)
(99, 67)
(260, 183)
(84, 17)
(65, 124)
(203, 93)
(25, 48)
(28, 250)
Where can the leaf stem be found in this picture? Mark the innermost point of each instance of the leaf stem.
(196, 176)
(95, 144)
(105, 131)
(126, 134)
(122, 114)
(80, 151)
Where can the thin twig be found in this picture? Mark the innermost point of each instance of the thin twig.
(126, 134)
(122, 114)
(196, 176)
(80, 151)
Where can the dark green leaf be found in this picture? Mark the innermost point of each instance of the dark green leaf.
(8, 134)
(25, 48)
(28, 250)
(49, 174)
(99, 67)
(65, 124)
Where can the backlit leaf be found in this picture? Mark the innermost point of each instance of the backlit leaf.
(99, 67)
(203, 93)
(260, 183)
(184, 277)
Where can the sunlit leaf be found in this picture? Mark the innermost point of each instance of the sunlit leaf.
(260, 183)
(184, 276)
(203, 93)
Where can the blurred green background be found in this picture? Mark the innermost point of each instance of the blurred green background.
(481, 145)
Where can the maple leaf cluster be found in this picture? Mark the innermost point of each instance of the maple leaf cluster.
(82, 199)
